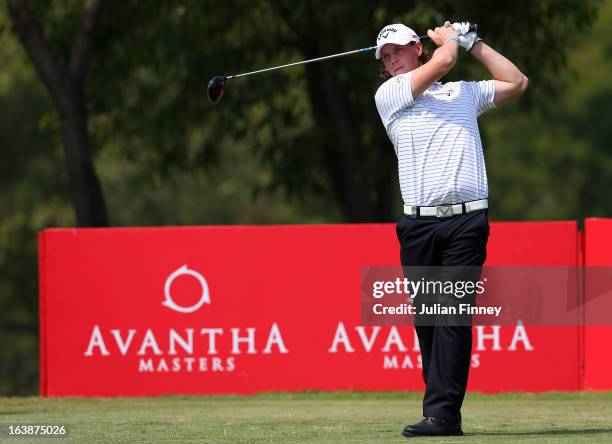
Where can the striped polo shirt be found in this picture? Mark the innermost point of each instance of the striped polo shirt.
(436, 139)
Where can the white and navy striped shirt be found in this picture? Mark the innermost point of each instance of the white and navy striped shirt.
(436, 138)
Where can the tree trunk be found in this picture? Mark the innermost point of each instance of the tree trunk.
(361, 192)
(65, 84)
(332, 112)
(86, 191)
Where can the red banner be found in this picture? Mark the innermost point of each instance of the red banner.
(597, 339)
(553, 361)
(244, 309)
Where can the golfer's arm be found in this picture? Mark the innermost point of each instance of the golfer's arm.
(510, 82)
(441, 62)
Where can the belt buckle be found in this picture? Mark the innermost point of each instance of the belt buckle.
(444, 210)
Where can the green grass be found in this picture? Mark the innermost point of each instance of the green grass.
(314, 417)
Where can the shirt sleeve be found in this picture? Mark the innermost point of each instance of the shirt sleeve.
(393, 96)
(482, 94)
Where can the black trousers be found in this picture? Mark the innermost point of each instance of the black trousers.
(445, 349)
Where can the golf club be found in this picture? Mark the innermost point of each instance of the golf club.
(216, 86)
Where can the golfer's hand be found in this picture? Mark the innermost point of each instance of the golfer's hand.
(462, 28)
(441, 34)
(467, 38)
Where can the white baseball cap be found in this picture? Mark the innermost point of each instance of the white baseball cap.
(396, 33)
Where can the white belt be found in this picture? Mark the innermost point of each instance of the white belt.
(446, 210)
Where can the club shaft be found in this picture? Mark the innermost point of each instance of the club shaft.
(303, 62)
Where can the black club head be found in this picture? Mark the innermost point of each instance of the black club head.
(215, 88)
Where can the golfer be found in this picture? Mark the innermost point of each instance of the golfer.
(443, 182)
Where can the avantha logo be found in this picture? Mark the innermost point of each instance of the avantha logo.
(204, 297)
(197, 348)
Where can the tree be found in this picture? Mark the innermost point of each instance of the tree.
(64, 78)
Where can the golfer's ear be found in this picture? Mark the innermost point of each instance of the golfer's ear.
(419, 47)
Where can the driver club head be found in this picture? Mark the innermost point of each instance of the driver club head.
(215, 88)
